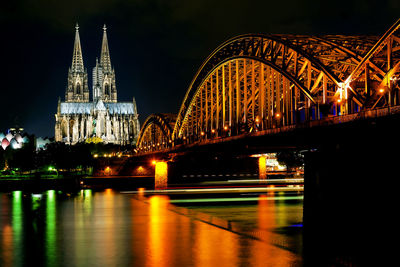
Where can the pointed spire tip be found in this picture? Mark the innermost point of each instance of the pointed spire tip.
(104, 27)
(77, 26)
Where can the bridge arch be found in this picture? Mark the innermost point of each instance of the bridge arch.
(156, 132)
(273, 78)
(243, 70)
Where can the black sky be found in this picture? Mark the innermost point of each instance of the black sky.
(156, 46)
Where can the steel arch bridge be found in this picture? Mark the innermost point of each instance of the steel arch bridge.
(256, 82)
(156, 132)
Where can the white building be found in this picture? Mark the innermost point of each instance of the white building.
(78, 118)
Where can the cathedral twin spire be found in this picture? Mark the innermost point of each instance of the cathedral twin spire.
(77, 59)
(103, 75)
(105, 59)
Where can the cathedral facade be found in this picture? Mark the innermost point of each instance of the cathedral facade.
(79, 118)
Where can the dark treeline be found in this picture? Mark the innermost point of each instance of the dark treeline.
(56, 155)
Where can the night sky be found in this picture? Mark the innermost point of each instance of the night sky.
(156, 47)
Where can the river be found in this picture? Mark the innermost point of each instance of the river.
(111, 228)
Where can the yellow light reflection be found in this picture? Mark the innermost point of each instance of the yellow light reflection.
(109, 224)
(161, 175)
(160, 234)
(266, 253)
(214, 247)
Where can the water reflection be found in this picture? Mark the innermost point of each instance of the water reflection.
(17, 226)
(51, 231)
(159, 233)
(112, 229)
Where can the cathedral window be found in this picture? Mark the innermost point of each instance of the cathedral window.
(107, 90)
(78, 88)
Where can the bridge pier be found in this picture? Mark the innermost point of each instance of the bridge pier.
(350, 198)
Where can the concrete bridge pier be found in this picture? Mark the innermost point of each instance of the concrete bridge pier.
(351, 200)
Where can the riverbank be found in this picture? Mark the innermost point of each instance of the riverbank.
(39, 184)
(75, 182)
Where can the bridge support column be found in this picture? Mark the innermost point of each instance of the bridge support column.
(350, 201)
(161, 175)
(262, 168)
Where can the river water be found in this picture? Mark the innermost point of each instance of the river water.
(110, 228)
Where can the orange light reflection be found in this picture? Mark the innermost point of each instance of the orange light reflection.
(159, 234)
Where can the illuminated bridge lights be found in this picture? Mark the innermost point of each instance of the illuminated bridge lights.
(281, 85)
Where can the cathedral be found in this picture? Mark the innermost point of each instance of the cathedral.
(79, 118)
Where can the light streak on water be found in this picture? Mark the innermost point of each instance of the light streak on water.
(234, 199)
(221, 190)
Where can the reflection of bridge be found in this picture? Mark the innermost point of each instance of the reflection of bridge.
(256, 82)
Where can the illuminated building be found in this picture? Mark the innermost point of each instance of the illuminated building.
(78, 118)
(14, 138)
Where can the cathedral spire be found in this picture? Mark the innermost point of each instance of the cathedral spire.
(105, 59)
(77, 87)
(77, 59)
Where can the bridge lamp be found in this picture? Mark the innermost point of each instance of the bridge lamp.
(257, 120)
(381, 90)
(213, 131)
(277, 115)
(184, 138)
(226, 128)
(202, 133)
(154, 162)
(170, 141)
(339, 100)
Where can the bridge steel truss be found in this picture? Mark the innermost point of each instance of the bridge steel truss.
(256, 82)
(156, 132)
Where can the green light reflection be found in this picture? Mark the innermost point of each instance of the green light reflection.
(51, 235)
(17, 226)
